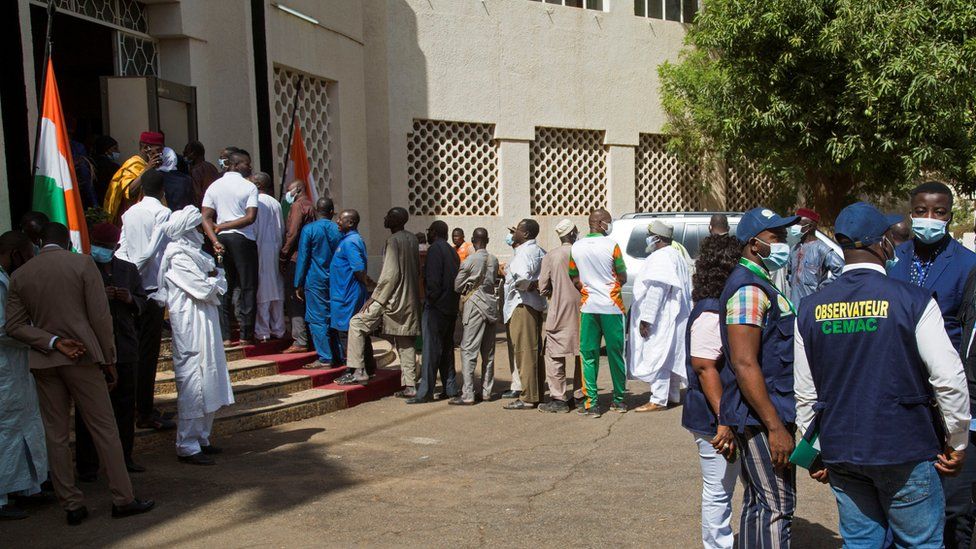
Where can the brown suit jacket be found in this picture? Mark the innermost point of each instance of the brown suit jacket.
(60, 293)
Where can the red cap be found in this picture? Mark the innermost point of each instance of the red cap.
(809, 214)
(105, 233)
(152, 138)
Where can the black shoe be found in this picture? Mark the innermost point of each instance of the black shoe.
(458, 401)
(43, 497)
(406, 393)
(87, 477)
(211, 450)
(135, 507)
(418, 400)
(77, 516)
(9, 512)
(511, 394)
(519, 405)
(554, 406)
(197, 459)
(134, 467)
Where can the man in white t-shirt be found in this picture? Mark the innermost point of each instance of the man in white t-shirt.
(597, 268)
(230, 208)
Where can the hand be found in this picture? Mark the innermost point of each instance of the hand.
(213, 273)
(370, 284)
(218, 248)
(110, 292)
(645, 329)
(70, 348)
(724, 442)
(123, 295)
(366, 305)
(300, 293)
(533, 286)
(111, 376)
(781, 445)
(950, 462)
(819, 476)
(218, 228)
(547, 292)
(155, 160)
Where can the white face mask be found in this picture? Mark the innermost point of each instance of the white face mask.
(609, 225)
(652, 242)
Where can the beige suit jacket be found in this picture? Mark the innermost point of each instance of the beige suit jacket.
(60, 293)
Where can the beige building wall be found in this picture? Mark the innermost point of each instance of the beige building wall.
(516, 64)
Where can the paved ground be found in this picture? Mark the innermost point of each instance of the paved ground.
(386, 474)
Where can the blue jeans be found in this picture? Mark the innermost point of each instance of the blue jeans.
(906, 498)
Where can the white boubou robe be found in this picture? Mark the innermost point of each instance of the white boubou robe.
(662, 298)
(192, 297)
(269, 230)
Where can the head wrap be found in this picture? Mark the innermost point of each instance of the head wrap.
(169, 160)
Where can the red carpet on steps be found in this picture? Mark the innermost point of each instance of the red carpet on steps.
(383, 384)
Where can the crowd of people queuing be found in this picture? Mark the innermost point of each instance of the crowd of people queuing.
(860, 355)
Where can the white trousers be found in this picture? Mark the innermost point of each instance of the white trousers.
(270, 320)
(666, 387)
(191, 434)
(718, 483)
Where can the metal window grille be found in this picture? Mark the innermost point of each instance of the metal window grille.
(137, 56)
(452, 168)
(664, 183)
(315, 115)
(588, 4)
(127, 14)
(569, 171)
(670, 10)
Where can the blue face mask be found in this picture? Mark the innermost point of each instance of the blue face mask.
(795, 230)
(928, 230)
(510, 240)
(101, 255)
(289, 197)
(890, 263)
(779, 255)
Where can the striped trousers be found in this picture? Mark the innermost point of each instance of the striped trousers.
(769, 498)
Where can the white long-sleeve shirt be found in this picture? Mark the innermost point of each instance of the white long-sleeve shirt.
(521, 272)
(142, 241)
(946, 374)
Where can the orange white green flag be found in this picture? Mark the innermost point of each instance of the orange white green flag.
(55, 191)
(298, 166)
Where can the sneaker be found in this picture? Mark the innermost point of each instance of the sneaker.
(618, 407)
(593, 412)
(554, 406)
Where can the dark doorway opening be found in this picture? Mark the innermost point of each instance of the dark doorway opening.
(83, 52)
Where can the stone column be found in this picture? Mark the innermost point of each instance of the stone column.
(621, 196)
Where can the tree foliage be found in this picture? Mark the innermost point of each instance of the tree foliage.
(830, 98)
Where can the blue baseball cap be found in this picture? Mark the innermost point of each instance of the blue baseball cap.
(761, 219)
(862, 225)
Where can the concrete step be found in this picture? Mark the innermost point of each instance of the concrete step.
(252, 390)
(165, 363)
(239, 370)
(248, 416)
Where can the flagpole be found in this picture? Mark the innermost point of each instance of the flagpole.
(40, 104)
(291, 134)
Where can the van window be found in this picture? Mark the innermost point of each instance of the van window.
(691, 239)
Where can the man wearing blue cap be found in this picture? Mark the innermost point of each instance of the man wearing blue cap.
(883, 386)
(757, 340)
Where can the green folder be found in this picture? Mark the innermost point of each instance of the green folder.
(806, 452)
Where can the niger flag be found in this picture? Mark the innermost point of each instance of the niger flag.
(55, 192)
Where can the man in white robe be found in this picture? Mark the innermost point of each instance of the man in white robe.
(190, 285)
(23, 451)
(269, 229)
(658, 320)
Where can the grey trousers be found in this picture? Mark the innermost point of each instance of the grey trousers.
(477, 339)
(299, 333)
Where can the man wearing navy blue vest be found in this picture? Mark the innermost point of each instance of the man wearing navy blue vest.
(935, 261)
(757, 340)
(872, 357)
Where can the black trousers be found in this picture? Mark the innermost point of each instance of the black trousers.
(960, 492)
(123, 404)
(369, 359)
(241, 267)
(150, 332)
(438, 353)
